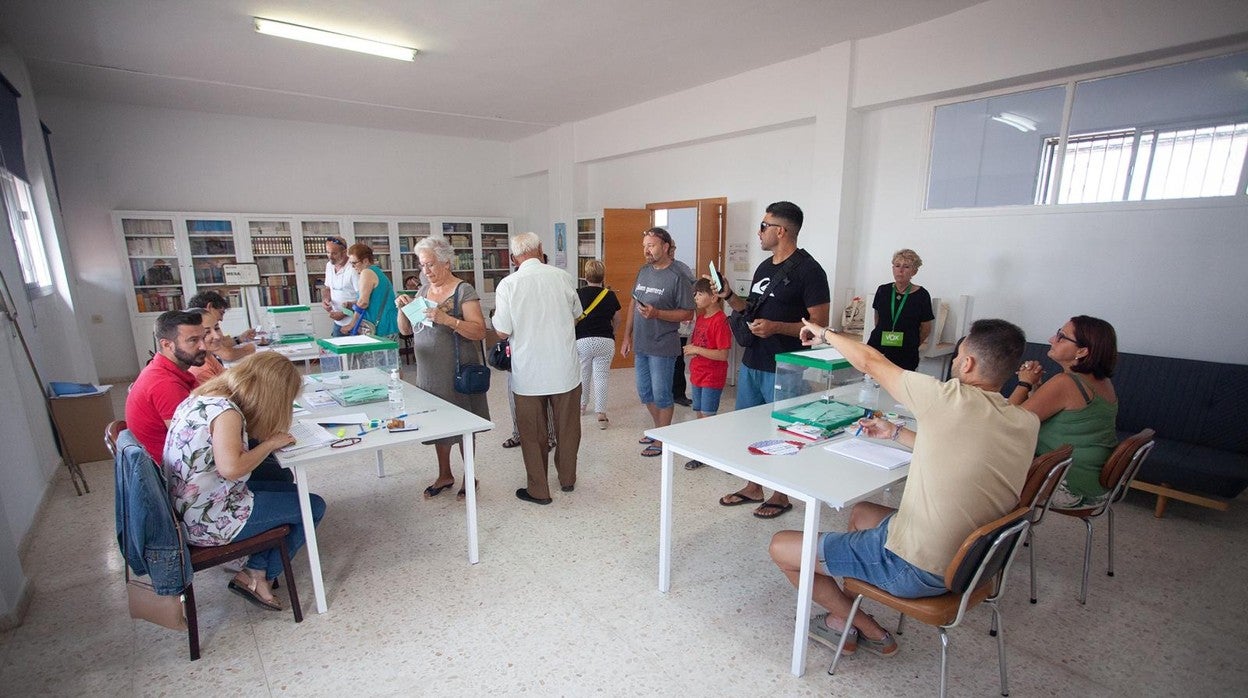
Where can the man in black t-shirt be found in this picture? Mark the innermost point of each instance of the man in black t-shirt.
(776, 324)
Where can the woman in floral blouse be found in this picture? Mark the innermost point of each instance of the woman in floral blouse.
(208, 465)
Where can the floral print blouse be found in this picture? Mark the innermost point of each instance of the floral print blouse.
(213, 508)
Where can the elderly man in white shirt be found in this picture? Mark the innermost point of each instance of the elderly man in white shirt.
(536, 307)
(342, 284)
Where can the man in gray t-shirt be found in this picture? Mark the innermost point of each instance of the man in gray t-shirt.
(662, 298)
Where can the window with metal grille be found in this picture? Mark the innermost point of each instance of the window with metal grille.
(1172, 132)
(1140, 165)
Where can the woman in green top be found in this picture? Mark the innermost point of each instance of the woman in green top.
(1077, 406)
(376, 300)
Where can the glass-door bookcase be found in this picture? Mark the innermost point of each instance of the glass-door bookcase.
(273, 251)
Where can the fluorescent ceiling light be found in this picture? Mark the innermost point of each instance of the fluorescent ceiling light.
(1021, 123)
(326, 38)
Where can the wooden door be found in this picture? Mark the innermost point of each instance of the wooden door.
(712, 224)
(622, 257)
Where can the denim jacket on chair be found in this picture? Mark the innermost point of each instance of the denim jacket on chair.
(147, 532)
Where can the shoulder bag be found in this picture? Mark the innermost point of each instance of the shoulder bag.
(739, 323)
(141, 597)
(590, 309)
(361, 326)
(470, 379)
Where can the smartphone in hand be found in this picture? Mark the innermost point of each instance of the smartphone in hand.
(717, 281)
(637, 297)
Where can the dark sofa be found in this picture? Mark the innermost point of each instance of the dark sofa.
(1198, 409)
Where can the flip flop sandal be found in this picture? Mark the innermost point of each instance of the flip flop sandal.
(652, 450)
(249, 592)
(740, 499)
(769, 506)
(512, 442)
(645, 440)
(461, 495)
(434, 490)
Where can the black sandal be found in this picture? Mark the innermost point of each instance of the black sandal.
(434, 490)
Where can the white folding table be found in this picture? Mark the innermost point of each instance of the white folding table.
(437, 419)
(813, 476)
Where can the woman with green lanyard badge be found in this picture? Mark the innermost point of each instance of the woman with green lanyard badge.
(903, 313)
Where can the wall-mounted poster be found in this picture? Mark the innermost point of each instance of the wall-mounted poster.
(739, 257)
(561, 237)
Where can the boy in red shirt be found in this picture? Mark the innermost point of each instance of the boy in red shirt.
(708, 353)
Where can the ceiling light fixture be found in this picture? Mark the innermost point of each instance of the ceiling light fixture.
(334, 39)
(1021, 123)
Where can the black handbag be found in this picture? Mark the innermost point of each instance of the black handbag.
(470, 379)
(500, 355)
(739, 323)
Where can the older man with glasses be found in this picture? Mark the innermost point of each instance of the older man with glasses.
(342, 283)
(662, 298)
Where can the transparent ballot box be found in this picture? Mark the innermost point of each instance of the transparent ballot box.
(347, 353)
(287, 324)
(812, 375)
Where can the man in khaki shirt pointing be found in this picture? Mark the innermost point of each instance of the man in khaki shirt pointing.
(971, 455)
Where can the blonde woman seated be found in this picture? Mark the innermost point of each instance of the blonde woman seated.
(457, 316)
(1077, 406)
(209, 466)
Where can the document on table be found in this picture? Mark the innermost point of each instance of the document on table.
(308, 435)
(876, 454)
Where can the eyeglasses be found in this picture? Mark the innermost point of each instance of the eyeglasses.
(765, 225)
(336, 240)
(347, 442)
(429, 265)
(1061, 337)
(660, 234)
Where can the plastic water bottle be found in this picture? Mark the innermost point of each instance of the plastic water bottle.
(395, 392)
(869, 392)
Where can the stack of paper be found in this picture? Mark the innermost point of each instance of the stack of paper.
(871, 452)
(308, 435)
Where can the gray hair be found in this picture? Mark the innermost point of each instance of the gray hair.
(525, 243)
(438, 245)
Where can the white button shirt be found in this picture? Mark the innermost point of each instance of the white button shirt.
(537, 306)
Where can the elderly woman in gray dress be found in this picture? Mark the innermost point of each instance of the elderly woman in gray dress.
(457, 315)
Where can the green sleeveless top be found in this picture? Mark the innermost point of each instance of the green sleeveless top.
(1091, 431)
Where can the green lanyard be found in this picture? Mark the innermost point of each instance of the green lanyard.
(896, 309)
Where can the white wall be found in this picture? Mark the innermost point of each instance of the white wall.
(752, 171)
(1005, 41)
(123, 157)
(1157, 273)
(28, 459)
(788, 131)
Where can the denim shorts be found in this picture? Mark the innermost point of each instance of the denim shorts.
(754, 387)
(654, 379)
(862, 555)
(706, 400)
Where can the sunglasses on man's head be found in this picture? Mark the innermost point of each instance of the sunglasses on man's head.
(336, 240)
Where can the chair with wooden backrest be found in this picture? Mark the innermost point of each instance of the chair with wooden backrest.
(1116, 475)
(1046, 471)
(211, 556)
(976, 574)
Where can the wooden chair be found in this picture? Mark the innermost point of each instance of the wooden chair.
(210, 556)
(1116, 475)
(1046, 471)
(405, 349)
(976, 574)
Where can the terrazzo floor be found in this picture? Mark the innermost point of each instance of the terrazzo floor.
(565, 600)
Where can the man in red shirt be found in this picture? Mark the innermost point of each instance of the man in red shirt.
(166, 381)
